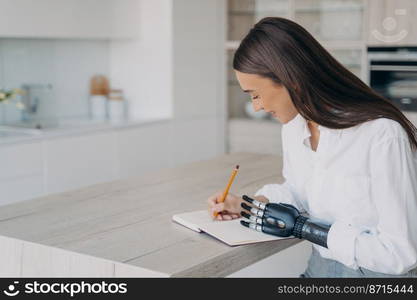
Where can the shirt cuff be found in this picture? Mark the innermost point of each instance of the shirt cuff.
(341, 240)
(276, 193)
(260, 192)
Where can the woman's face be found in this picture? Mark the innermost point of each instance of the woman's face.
(268, 95)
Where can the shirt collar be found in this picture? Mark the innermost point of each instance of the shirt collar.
(299, 126)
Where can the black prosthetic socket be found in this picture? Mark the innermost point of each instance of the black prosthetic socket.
(312, 231)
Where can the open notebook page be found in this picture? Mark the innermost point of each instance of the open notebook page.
(229, 232)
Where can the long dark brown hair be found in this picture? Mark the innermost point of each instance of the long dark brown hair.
(321, 89)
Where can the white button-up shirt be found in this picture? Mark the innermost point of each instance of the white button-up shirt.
(363, 181)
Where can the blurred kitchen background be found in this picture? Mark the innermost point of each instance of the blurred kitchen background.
(98, 90)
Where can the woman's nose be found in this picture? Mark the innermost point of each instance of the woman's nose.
(256, 106)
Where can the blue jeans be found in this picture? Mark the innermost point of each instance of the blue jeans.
(323, 267)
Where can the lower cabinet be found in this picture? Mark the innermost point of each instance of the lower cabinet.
(195, 139)
(21, 172)
(143, 149)
(64, 163)
(75, 161)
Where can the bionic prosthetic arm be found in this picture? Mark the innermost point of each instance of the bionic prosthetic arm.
(283, 220)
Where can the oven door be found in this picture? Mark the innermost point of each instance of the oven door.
(397, 81)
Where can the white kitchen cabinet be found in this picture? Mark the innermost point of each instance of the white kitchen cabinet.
(69, 18)
(72, 162)
(167, 144)
(20, 160)
(144, 149)
(392, 22)
(258, 136)
(194, 139)
(21, 172)
(58, 164)
(19, 189)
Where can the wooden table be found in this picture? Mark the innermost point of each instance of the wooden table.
(124, 228)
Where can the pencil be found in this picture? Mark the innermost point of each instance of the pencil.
(226, 191)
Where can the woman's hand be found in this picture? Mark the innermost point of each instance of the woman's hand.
(231, 207)
(227, 210)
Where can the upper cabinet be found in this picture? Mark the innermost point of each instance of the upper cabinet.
(89, 19)
(392, 22)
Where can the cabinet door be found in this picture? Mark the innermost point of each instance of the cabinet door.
(144, 149)
(392, 22)
(68, 18)
(21, 174)
(75, 161)
(195, 139)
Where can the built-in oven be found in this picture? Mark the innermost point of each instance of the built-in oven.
(393, 74)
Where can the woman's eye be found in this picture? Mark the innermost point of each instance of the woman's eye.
(255, 97)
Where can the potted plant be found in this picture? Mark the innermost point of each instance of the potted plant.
(7, 95)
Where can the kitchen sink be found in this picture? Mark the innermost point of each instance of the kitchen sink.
(37, 127)
(9, 131)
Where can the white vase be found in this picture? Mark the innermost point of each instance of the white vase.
(117, 110)
(98, 107)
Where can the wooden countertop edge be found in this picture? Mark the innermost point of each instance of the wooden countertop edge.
(239, 258)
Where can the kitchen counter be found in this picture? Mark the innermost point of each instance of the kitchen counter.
(15, 134)
(124, 228)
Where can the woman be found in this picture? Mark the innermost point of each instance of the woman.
(349, 155)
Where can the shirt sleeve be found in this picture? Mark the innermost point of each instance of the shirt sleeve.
(390, 247)
(284, 192)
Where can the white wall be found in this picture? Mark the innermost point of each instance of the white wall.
(176, 68)
(142, 67)
(199, 30)
(67, 64)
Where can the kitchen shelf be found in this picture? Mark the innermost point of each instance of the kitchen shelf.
(349, 49)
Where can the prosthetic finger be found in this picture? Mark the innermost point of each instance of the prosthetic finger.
(252, 225)
(265, 228)
(252, 218)
(254, 202)
(264, 220)
(255, 211)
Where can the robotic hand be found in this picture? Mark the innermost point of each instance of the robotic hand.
(282, 219)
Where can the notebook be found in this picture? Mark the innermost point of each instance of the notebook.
(230, 232)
